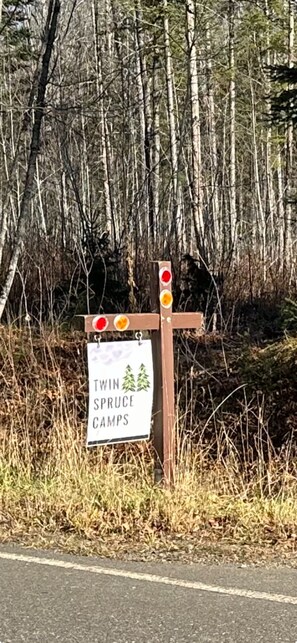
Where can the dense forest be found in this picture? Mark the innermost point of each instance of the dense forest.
(134, 130)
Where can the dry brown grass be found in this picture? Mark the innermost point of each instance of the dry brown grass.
(53, 491)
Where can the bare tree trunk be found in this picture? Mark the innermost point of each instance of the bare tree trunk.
(15, 143)
(280, 205)
(197, 197)
(232, 107)
(50, 34)
(289, 153)
(270, 200)
(224, 204)
(175, 220)
(145, 120)
(156, 155)
(42, 218)
(215, 208)
(109, 214)
(257, 186)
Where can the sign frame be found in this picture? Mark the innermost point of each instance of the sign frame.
(120, 392)
(161, 322)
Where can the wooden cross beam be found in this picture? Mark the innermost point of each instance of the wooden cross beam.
(162, 321)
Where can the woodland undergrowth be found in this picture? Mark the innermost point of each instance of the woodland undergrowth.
(236, 480)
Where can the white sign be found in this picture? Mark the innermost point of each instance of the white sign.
(120, 392)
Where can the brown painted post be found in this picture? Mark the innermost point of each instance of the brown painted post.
(167, 381)
(164, 416)
(157, 361)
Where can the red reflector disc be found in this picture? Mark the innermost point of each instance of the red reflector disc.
(165, 276)
(100, 323)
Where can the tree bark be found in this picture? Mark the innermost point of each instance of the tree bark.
(289, 153)
(232, 107)
(174, 223)
(197, 198)
(215, 208)
(39, 109)
(145, 111)
(256, 186)
(270, 191)
(156, 154)
(108, 202)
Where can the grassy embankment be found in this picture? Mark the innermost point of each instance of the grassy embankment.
(230, 498)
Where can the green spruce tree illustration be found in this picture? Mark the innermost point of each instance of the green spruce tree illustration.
(143, 382)
(129, 381)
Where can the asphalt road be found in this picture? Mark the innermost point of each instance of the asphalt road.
(47, 597)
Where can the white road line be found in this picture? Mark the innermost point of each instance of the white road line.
(151, 578)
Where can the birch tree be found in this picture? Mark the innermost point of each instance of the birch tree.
(196, 183)
(175, 215)
(216, 246)
(39, 108)
(289, 151)
(232, 99)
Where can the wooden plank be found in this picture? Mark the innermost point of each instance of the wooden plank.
(187, 320)
(138, 321)
(144, 321)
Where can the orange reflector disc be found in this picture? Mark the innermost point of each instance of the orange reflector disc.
(166, 298)
(121, 322)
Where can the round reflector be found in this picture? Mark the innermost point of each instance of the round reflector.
(121, 322)
(166, 298)
(100, 323)
(165, 276)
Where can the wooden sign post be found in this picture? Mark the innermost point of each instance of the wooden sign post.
(162, 322)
